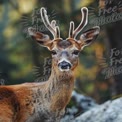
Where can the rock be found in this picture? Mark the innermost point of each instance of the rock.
(110, 111)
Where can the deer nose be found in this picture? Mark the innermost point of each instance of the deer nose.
(64, 65)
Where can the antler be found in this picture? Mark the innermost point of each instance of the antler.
(73, 33)
(50, 25)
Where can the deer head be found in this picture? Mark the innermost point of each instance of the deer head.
(65, 51)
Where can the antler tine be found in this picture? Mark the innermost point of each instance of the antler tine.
(51, 26)
(71, 29)
(73, 33)
(58, 32)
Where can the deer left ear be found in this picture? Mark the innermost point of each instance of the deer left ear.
(42, 39)
(89, 36)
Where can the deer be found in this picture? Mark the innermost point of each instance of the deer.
(46, 101)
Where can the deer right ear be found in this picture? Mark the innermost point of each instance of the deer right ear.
(89, 36)
(41, 38)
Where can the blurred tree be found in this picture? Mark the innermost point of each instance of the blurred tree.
(114, 34)
(5, 65)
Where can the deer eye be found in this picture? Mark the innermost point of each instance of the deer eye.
(76, 52)
(53, 52)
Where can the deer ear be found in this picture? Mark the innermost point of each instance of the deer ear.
(41, 38)
(89, 36)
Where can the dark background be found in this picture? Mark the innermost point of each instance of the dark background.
(23, 60)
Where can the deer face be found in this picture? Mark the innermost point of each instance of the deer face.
(65, 52)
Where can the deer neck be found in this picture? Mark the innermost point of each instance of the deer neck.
(55, 93)
(60, 85)
(59, 79)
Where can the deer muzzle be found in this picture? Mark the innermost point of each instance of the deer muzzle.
(64, 66)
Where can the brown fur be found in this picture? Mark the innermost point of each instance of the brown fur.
(30, 101)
